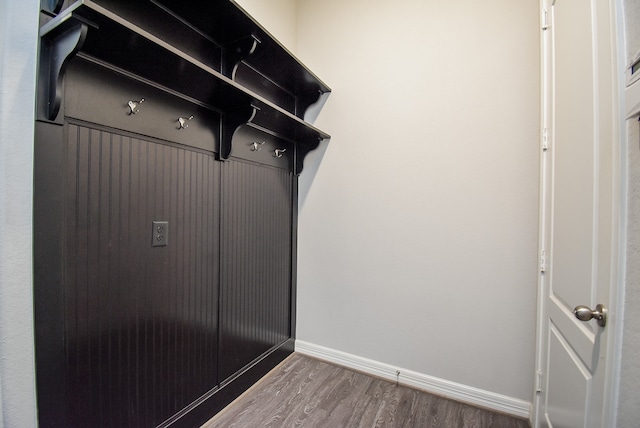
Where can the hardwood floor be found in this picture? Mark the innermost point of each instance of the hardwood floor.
(304, 392)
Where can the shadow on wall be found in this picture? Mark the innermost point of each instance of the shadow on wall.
(314, 159)
(311, 165)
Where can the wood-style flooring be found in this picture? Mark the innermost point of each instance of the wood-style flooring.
(304, 392)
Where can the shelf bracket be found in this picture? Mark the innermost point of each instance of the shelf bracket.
(57, 47)
(51, 6)
(310, 105)
(238, 51)
(230, 123)
(302, 150)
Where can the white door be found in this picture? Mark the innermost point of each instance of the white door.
(579, 210)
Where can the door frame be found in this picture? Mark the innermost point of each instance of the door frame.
(619, 236)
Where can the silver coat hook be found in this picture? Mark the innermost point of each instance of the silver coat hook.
(255, 147)
(133, 105)
(278, 152)
(183, 122)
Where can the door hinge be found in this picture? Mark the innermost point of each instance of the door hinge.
(543, 261)
(545, 19)
(545, 140)
(539, 381)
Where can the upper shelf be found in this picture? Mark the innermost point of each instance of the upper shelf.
(264, 85)
(222, 36)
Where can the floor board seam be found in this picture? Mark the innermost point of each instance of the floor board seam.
(305, 391)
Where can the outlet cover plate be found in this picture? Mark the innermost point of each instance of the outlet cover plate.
(160, 234)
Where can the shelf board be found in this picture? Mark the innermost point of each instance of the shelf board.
(109, 38)
(220, 34)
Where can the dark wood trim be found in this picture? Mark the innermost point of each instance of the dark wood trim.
(98, 30)
(203, 410)
(48, 227)
(58, 47)
(294, 253)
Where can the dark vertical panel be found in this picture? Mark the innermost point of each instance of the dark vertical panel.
(193, 269)
(164, 353)
(49, 178)
(137, 276)
(141, 321)
(256, 263)
(78, 334)
(105, 298)
(176, 246)
(294, 255)
(119, 243)
(72, 263)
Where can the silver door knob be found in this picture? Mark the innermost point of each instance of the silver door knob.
(584, 313)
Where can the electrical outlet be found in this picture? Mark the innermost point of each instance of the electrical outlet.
(160, 234)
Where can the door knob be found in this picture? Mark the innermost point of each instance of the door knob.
(584, 313)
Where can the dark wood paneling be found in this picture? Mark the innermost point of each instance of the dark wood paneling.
(48, 224)
(243, 148)
(253, 80)
(141, 321)
(131, 335)
(210, 405)
(256, 263)
(99, 95)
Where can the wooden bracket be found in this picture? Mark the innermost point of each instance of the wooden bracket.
(238, 51)
(229, 125)
(307, 100)
(57, 47)
(302, 150)
(310, 105)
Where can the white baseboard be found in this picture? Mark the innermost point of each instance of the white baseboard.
(445, 388)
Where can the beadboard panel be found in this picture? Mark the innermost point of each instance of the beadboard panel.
(141, 321)
(256, 266)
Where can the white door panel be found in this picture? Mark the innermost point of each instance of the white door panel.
(583, 337)
(566, 410)
(579, 202)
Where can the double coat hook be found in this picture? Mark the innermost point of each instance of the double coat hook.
(133, 106)
(182, 121)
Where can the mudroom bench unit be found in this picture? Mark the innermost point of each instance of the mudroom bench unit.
(169, 140)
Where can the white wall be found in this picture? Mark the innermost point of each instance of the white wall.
(18, 39)
(418, 232)
(279, 17)
(628, 407)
